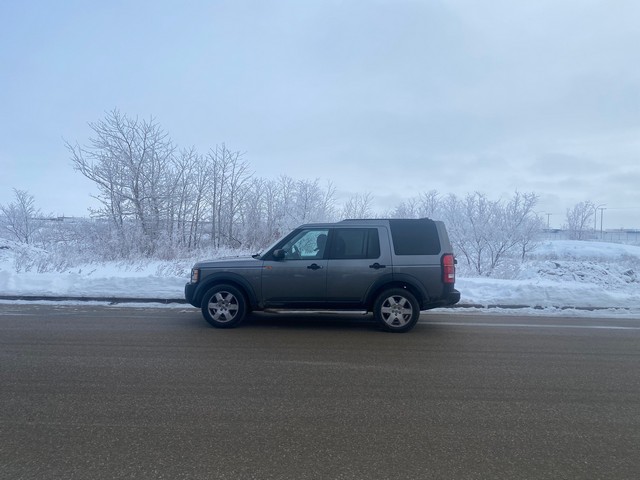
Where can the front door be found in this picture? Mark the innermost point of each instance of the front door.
(300, 279)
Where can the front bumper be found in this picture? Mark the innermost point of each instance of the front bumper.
(189, 293)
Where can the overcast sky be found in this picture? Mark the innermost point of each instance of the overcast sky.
(388, 97)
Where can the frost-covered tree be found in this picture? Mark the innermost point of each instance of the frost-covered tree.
(308, 202)
(328, 202)
(484, 232)
(159, 200)
(130, 160)
(21, 219)
(470, 226)
(229, 175)
(529, 234)
(579, 220)
(425, 205)
(518, 225)
(270, 208)
(186, 205)
(276, 194)
(406, 209)
(253, 215)
(358, 206)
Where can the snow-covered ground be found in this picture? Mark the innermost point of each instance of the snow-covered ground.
(560, 276)
(564, 273)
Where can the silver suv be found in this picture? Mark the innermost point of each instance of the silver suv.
(394, 268)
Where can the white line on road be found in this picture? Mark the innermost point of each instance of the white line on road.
(531, 325)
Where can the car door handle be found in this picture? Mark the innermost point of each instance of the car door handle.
(377, 266)
(314, 266)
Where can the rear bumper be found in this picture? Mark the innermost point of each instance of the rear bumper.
(448, 299)
(454, 297)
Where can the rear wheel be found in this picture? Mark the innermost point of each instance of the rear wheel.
(396, 310)
(224, 306)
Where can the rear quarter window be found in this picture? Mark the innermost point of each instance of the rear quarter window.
(415, 237)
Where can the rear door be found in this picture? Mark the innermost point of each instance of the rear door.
(358, 258)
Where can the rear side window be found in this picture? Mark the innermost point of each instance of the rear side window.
(353, 243)
(415, 237)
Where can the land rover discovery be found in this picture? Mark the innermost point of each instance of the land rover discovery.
(394, 268)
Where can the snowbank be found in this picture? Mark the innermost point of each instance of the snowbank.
(564, 273)
(559, 274)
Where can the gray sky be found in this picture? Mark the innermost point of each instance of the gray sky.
(389, 97)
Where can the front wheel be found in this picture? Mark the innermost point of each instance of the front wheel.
(224, 306)
(396, 310)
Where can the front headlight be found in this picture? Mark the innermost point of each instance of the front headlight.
(195, 275)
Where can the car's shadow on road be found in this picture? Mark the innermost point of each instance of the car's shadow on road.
(296, 321)
(292, 321)
(319, 321)
(306, 321)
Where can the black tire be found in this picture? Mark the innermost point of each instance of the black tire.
(396, 310)
(224, 306)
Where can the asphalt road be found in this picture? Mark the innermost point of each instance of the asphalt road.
(112, 392)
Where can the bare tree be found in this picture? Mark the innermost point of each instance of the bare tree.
(429, 204)
(275, 193)
(21, 217)
(154, 196)
(358, 206)
(130, 162)
(426, 205)
(229, 175)
(485, 232)
(309, 202)
(328, 203)
(529, 235)
(477, 215)
(186, 199)
(253, 214)
(407, 209)
(579, 219)
(517, 224)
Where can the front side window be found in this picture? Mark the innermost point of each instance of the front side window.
(355, 243)
(306, 245)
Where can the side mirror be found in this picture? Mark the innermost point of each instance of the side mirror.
(278, 254)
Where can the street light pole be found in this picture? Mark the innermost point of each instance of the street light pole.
(602, 209)
(595, 217)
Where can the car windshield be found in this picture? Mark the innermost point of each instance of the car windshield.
(260, 253)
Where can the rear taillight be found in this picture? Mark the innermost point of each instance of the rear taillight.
(448, 268)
